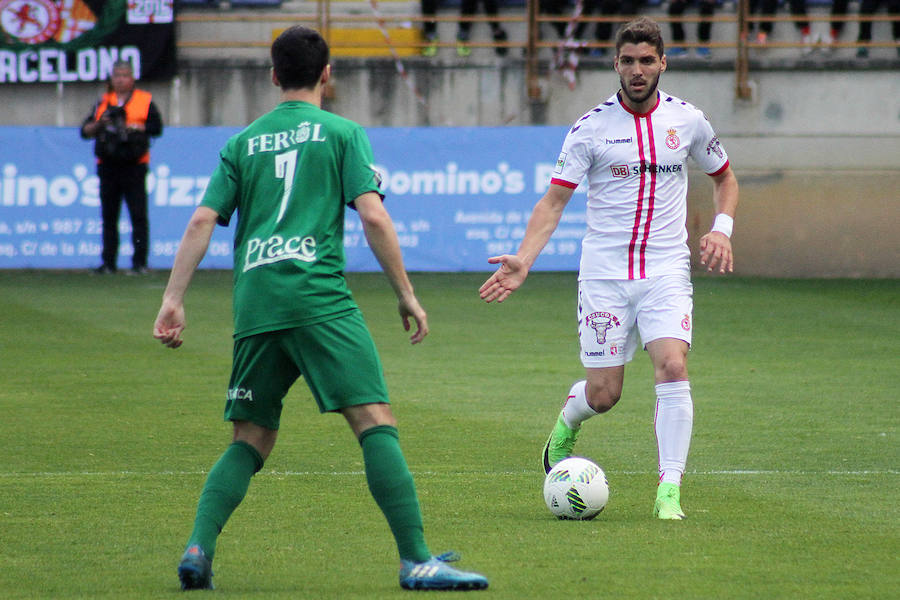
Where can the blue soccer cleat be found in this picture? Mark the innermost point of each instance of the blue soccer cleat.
(436, 574)
(195, 570)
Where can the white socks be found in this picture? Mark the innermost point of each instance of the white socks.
(577, 410)
(674, 421)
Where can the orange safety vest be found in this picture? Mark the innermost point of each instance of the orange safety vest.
(137, 109)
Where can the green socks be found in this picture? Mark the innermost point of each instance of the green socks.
(226, 485)
(387, 474)
(392, 487)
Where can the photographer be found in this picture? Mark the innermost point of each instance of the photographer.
(121, 123)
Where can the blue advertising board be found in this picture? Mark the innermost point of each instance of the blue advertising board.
(456, 195)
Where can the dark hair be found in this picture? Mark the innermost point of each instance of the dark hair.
(640, 30)
(299, 55)
(123, 64)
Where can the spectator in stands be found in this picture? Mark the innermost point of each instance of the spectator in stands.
(767, 8)
(562, 8)
(838, 9)
(870, 7)
(491, 9)
(429, 28)
(556, 7)
(704, 28)
(867, 7)
(603, 31)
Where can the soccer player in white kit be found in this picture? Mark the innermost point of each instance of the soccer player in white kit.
(634, 277)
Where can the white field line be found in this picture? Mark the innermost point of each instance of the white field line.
(726, 473)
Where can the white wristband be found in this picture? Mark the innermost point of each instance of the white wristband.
(723, 224)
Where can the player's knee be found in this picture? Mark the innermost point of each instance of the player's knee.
(671, 369)
(260, 438)
(365, 416)
(601, 399)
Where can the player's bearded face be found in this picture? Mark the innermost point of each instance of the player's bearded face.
(639, 68)
(639, 89)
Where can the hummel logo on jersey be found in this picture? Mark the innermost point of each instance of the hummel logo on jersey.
(423, 570)
(627, 140)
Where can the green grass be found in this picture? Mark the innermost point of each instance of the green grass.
(792, 489)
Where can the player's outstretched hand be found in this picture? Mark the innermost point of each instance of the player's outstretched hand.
(169, 325)
(411, 309)
(505, 280)
(715, 250)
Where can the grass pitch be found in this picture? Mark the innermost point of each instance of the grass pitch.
(791, 492)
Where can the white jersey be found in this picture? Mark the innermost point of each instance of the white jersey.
(635, 166)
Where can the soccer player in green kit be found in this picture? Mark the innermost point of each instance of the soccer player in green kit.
(289, 176)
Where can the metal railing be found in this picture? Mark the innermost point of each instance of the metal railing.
(325, 21)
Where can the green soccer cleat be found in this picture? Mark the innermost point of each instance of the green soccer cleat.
(668, 503)
(560, 443)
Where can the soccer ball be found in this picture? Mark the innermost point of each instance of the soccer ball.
(576, 488)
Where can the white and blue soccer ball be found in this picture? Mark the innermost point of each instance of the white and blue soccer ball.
(576, 488)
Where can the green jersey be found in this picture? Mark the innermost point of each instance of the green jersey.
(289, 176)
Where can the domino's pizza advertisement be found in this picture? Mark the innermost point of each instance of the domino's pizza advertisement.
(456, 196)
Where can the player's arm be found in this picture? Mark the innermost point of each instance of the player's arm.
(715, 246)
(170, 320)
(514, 267)
(382, 239)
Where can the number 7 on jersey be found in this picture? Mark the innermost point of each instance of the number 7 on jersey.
(285, 165)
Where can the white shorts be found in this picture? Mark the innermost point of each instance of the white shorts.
(611, 314)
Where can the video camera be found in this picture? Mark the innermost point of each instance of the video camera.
(115, 143)
(116, 117)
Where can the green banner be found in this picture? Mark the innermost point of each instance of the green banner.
(49, 41)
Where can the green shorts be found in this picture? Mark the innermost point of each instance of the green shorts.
(337, 358)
